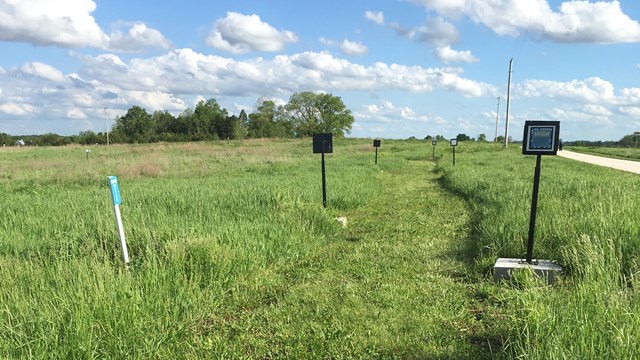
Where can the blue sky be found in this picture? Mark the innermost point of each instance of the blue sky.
(404, 67)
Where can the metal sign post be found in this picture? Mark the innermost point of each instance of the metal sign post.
(540, 138)
(434, 143)
(323, 143)
(117, 200)
(454, 144)
(376, 144)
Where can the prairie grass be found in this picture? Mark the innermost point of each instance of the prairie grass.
(587, 220)
(233, 255)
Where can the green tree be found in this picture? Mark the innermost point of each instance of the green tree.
(463, 137)
(312, 113)
(166, 125)
(87, 137)
(136, 126)
(51, 139)
(482, 137)
(210, 121)
(6, 140)
(630, 140)
(261, 124)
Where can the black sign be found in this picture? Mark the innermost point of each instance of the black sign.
(322, 143)
(376, 143)
(541, 137)
(453, 142)
(434, 142)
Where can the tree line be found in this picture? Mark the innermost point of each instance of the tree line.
(303, 115)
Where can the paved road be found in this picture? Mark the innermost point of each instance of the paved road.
(624, 165)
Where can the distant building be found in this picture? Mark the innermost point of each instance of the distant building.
(20, 142)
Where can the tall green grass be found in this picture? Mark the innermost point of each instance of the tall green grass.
(198, 218)
(587, 220)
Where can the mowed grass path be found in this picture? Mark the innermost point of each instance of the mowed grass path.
(395, 283)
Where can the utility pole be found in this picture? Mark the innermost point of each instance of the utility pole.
(495, 138)
(506, 126)
(106, 126)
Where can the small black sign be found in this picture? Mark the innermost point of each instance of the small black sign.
(453, 142)
(376, 143)
(541, 137)
(322, 141)
(434, 142)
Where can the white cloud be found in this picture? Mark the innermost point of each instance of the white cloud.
(574, 22)
(66, 23)
(446, 54)
(17, 109)
(43, 71)
(76, 113)
(155, 100)
(184, 71)
(347, 47)
(240, 34)
(375, 16)
(386, 112)
(633, 111)
(439, 33)
(69, 23)
(580, 115)
(436, 31)
(591, 90)
(137, 37)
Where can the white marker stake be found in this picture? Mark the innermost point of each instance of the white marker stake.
(115, 196)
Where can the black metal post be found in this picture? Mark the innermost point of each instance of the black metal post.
(454, 156)
(324, 182)
(376, 156)
(534, 209)
(433, 155)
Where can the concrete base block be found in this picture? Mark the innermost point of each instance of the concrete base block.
(547, 269)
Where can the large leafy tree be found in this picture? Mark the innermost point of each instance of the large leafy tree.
(313, 113)
(136, 126)
(261, 123)
(165, 122)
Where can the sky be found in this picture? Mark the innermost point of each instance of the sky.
(403, 67)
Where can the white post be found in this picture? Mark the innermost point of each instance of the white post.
(506, 126)
(115, 196)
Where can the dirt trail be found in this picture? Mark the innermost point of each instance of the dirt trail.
(624, 165)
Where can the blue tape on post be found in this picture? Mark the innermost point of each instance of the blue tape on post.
(115, 191)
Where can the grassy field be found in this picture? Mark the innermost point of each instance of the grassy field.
(233, 255)
(621, 153)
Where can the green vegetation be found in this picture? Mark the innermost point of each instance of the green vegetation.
(233, 255)
(587, 220)
(621, 153)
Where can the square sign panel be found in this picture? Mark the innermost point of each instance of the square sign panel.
(541, 137)
(322, 141)
(376, 143)
(434, 142)
(453, 142)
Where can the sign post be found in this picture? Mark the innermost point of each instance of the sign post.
(434, 143)
(376, 144)
(323, 143)
(454, 144)
(117, 200)
(540, 138)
